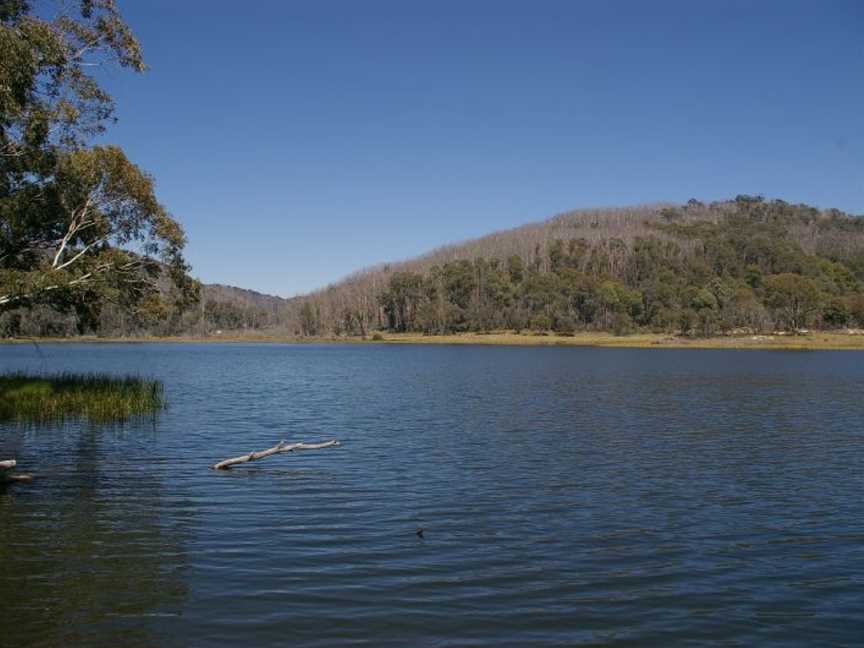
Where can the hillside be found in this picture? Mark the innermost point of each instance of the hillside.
(694, 268)
(231, 308)
(242, 297)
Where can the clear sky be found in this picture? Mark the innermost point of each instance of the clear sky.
(300, 141)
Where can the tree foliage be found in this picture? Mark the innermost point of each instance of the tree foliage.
(80, 226)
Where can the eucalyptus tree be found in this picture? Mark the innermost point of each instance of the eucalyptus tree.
(78, 223)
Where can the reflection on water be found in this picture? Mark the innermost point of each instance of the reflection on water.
(87, 551)
(568, 495)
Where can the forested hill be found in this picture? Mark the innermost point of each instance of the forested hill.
(697, 269)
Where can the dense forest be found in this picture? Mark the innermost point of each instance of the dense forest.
(742, 265)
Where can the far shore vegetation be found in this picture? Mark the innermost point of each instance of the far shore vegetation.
(36, 398)
(849, 339)
(734, 269)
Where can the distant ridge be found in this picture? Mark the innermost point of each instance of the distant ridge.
(242, 296)
(231, 308)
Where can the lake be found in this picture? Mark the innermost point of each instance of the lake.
(568, 496)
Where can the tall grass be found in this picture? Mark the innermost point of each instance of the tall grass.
(95, 397)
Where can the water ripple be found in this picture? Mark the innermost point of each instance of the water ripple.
(567, 497)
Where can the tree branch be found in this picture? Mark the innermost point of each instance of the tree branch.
(280, 447)
(8, 299)
(75, 225)
(81, 253)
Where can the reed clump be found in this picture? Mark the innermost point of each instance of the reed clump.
(99, 398)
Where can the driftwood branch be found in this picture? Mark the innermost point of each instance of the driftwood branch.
(6, 476)
(279, 448)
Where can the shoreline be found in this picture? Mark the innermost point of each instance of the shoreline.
(816, 341)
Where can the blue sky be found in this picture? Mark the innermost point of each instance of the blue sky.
(300, 141)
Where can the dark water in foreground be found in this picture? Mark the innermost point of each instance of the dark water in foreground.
(569, 496)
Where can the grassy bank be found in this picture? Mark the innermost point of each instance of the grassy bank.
(813, 341)
(97, 398)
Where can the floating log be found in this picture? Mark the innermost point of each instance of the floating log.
(282, 446)
(5, 476)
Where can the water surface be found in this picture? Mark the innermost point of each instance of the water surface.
(569, 496)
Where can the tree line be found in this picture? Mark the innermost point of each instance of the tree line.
(217, 309)
(746, 264)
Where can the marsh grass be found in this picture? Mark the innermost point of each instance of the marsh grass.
(94, 397)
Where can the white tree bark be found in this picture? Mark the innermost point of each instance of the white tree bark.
(282, 446)
(83, 279)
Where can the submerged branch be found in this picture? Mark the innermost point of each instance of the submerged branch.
(280, 447)
(6, 477)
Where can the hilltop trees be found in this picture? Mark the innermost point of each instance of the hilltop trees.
(79, 225)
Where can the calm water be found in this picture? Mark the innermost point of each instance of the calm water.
(569, 496)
